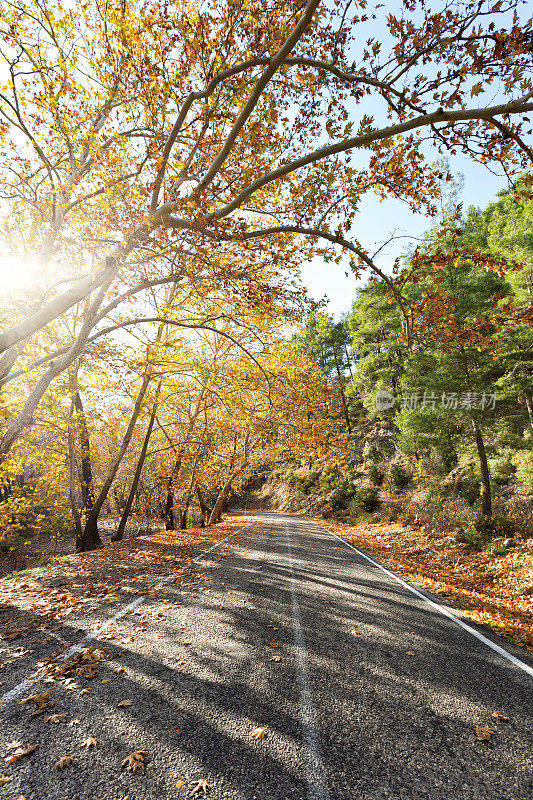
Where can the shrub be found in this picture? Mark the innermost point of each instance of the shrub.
(370, 452)
(469, 488)
(399, 478)
(343, 493)
(366, 499)
(492, 527)
(473, 538)
(524, 469)
(376, 475)
(328, 479)
(496, 549)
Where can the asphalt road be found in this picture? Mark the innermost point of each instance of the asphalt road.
(363, 689)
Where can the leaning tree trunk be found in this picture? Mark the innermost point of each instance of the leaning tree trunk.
(91, 538)
(138, 470)
(486, 502)
(168, 513)
(188, 497)
(87, 489)
(76, 516)
(217, 509)
(529, 409)
(205, 511)
(25, 415)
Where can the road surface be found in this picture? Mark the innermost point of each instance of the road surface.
(364, 690)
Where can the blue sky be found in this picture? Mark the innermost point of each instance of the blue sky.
(379, 221)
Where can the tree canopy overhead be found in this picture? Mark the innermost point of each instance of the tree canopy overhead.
(169, 166)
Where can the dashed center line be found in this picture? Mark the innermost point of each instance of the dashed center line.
(312, 756)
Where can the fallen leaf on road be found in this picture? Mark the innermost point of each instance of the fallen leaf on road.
(20, 752)
(500, 716)
(106, 680)
(14, 745)
(64, 762)
(258, 733)
(72, 722)
(124, 704)
(177, 731)
(136, 760)
(85, 691)
(38, 699)
(201, 786)
(4, 779)
(119, 669)
(180, 784)
(41, 709)
(90, 741)
(273, 644)
(483, 733)
(276, 658)
(56, 718)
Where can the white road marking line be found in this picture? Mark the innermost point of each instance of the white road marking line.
(313, 766)
(437, 607)
(24, 685)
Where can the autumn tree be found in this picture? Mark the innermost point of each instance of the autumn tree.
(171, 127)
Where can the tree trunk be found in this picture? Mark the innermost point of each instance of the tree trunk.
(138, 470)
(217, 509)
(529, 409)
(169, 500)
(91, 538)
(486, 502)
(343, 397)
(87, 489)
(185, 509)
(7, 361)
(76, 516)
(205, 511)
